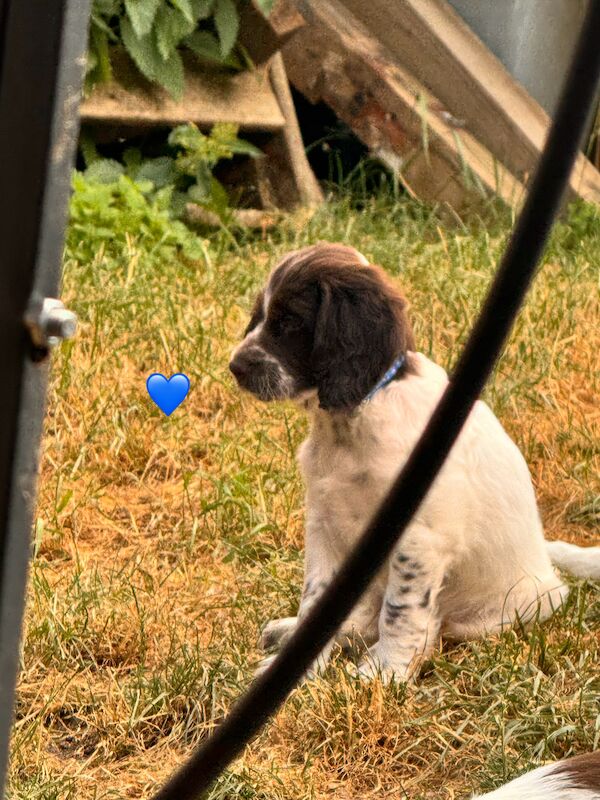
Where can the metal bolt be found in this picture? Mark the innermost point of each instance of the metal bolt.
(50, 322)
(59, 323)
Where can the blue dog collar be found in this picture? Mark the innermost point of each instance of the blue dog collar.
(387, 378)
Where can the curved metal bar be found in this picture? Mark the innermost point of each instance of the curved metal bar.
(513, 278)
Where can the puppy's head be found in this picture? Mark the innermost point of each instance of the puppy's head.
(328, 321)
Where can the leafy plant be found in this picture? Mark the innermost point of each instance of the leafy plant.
(154, 33)
(186, 167)
(104, 216)
(198, 155)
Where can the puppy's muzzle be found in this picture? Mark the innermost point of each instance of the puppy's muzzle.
(257, 373)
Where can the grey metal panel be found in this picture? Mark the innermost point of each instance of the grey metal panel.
(534, 39)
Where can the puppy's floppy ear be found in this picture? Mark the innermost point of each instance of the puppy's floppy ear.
(361, 328)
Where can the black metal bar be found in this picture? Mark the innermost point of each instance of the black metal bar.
(474, 368)
(42, 52)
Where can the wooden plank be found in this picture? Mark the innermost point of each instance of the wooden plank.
(335, 58)
(307, 189)
(261, 36)
(245, 98)
(431, 41)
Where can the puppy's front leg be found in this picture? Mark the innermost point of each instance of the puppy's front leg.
(319, 571)
(409, 621)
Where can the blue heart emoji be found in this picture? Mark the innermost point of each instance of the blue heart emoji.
(170, 393)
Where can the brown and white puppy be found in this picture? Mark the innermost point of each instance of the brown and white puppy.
(324, 332)
(572, 779)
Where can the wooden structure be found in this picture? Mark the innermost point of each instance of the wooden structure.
(258, 100)
(409, 77)
(422, 92)
(245, 98)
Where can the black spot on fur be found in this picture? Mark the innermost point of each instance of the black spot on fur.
(361, 478)
(394, 611)
(426, 599)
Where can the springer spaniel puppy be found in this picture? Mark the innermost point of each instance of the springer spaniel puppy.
(572, 779)
(330, 332)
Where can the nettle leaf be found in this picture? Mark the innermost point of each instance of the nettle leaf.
(147, 57)
(227, 23)
(185, 7)
(141, 49)
(104, 170)
(203, 182)
(107, 8)
(202, 9)
(141, 14)
(186, 136)
(145, 187)
(132, 158)
(161, 171)
(205, 45)
(170, 75)
(224, 134)
(219, 200)
(170, 28)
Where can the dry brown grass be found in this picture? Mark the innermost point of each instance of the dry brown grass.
(162, 545)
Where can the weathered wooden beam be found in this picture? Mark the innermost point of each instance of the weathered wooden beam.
(261, 35)
(245, 98)
(306, 185)
(336, 59)
(432, 42)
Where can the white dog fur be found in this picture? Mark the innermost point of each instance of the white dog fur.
(472, 561)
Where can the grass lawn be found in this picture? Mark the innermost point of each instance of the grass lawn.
(163, 545)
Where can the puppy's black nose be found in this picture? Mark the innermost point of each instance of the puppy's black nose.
(239, 367)
(243, 364)
(246, 362)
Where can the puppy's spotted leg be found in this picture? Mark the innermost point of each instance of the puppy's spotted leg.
(409, 622)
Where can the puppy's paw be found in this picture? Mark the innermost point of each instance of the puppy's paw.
(276, 633)
(264, 665)
(315, 671)
(375, 665)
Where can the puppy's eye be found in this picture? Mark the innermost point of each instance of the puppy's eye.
(289, 323)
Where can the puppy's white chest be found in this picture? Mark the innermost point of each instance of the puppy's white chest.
(344, 485)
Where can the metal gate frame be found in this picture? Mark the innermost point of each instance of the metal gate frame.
(42, 59)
